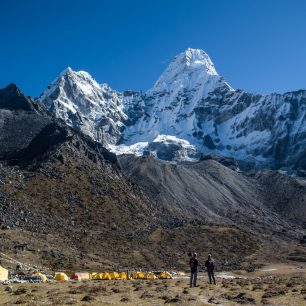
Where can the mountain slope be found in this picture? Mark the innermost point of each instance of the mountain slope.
(68, 199)
(207, 190)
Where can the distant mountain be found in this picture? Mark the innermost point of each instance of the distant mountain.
(190, 109)
(85, 105)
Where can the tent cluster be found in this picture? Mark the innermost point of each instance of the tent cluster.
(60, 276)
(112, 276)
(147, 275)
(135, 275)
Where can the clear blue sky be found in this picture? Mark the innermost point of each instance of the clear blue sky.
(259, 46)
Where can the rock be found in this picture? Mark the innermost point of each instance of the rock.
(213, 300)
(225, 161)
(87, 298)
(273, 293)
(125, 299)
(146, 295)
(241, 298)
(173, 300)
(20, 290)
(8, 289)
(264, 301)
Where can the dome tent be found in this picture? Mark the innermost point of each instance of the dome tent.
(3, 274)
(150, 275)
(114, 275)
(40, 276)
(124, 275)
(138, 275)
(80, 276)
(61, 277)
(165, 275)
(101, 276)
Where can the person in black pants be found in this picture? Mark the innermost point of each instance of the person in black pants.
(193, 270)
(210, 268)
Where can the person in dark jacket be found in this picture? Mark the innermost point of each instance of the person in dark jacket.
(210, 268)
(193, 262)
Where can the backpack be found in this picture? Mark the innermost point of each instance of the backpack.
(193, 263)
(210, 265)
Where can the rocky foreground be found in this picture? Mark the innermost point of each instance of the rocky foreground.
(272, 285)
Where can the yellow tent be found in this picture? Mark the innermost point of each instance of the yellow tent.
(3, 274)
(114, 275)
(150, 275)
(91, 275)
(138, 275)
(97, 276)
(124, 275)
(42, 277)
(106, 276)
(165, 275)
(61, 277)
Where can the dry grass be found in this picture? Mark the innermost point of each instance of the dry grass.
(268, 288)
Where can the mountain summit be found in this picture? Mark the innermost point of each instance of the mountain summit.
(188, 69)
(94, 109)
(189, 110)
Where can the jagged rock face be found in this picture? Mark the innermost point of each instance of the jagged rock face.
(225, 161)
(267, 130)
(21, 119)
(94, 109)
(12, 99)
(191, 102)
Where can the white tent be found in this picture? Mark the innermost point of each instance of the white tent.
(3, 274)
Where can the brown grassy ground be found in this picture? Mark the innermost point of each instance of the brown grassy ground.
(284, 286)
(160, 249)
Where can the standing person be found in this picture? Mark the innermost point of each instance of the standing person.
(193, 270)
(210, 267)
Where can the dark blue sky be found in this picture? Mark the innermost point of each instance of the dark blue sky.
(256, 45)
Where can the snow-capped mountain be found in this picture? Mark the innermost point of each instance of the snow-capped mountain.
(170, 104)
(190, 109)
(95, 109)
